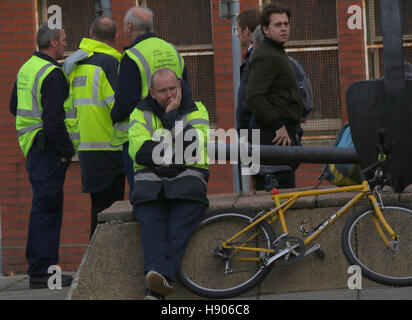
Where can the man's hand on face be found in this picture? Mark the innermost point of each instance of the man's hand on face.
(282, 137)
(174, 102)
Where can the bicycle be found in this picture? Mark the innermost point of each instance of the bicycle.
(241, 247)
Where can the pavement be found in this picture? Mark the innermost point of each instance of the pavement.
(17, 288)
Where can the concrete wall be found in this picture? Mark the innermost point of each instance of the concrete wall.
(112, 267)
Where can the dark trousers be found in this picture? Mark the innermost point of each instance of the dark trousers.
(47, 174)
(285, 179)
(166, 226)
(105, 199)
(128, 167)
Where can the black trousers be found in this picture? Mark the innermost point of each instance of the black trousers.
(166, 226)
(285, 179)
(103, 200)
(46, 174)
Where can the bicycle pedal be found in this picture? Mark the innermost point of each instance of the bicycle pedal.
(320, 254)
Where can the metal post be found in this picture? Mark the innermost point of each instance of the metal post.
(229, 9)
(238, 185)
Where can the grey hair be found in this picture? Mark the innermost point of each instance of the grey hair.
(258, 35)
(45, 34)
(138, 23)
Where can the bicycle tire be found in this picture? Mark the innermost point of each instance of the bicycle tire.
(363, 246)
(204, 274)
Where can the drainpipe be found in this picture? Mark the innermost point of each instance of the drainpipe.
(104, 8)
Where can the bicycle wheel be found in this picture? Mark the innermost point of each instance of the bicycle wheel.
(363, 246)
(213, 273)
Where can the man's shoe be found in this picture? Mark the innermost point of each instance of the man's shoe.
(150, 295)
(158, 284)
(41, 282)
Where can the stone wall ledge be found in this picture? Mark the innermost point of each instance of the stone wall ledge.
(121, 211)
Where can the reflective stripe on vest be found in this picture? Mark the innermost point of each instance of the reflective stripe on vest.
(150, 176)
(95, 146)
(80, 81)
(146, 66)
(149, 122)
(94, 101)
(29, 110)
(23, 131)
(35, 111)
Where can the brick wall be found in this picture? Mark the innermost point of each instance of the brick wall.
(16, 44)
(351, 50)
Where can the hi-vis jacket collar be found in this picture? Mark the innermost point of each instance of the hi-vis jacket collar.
(141, 38)
(86, 49)
(91, 45)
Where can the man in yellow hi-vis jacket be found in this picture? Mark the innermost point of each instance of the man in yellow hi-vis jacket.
(168, 137)
(37, 101)
(93, 74)
(146, 53)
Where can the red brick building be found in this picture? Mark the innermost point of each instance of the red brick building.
(337, 42)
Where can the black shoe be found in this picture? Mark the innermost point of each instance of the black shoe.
(40, 282)
(150, 295)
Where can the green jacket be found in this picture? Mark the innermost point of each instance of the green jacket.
(272, 92)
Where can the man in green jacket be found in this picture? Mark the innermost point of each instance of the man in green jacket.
(272, 90)
(93, 74)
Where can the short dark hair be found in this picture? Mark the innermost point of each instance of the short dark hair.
(273, 7)
(249, 18)
(104, 31)
(45, 34)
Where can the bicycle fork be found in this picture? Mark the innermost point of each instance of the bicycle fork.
(379, 219)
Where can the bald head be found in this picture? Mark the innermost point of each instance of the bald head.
(163, 73)
(104, 29)
(165, 88)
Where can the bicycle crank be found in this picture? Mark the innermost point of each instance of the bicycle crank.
(289, 250)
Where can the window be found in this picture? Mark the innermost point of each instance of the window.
(375, 39)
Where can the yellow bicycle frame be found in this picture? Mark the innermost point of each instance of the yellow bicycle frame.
(291, 197)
